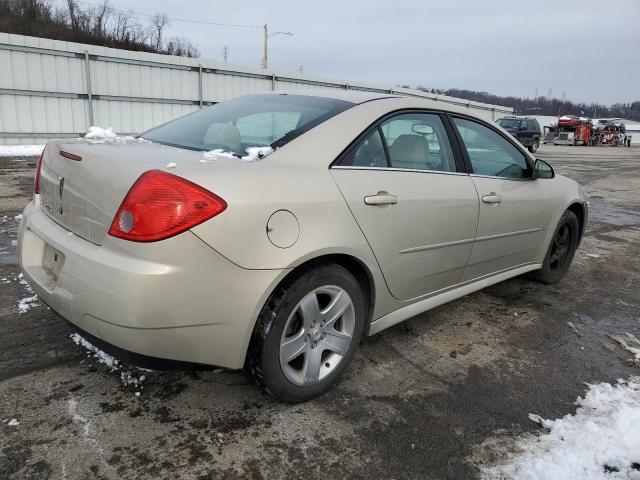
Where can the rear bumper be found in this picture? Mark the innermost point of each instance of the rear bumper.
(177, 299)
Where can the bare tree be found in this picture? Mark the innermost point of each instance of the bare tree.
(101, 15)
(158, 22)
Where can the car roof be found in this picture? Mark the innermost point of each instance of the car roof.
(393, 101)
(353, 96)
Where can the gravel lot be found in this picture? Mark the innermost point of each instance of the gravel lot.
(416, 403)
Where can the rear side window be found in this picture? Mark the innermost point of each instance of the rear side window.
(249, 121)
(490, 153)
(370, 152)
(411, 141)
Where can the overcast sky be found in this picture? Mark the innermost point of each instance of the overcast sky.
(590, 49)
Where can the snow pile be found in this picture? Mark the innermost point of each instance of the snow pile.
(252, 154)
(107, 135)
(13, 422)
(601, 441)
(257, 153)
(99, 133)
(128, 377)
(21, 150)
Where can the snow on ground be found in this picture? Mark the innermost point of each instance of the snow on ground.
(252, 154)
(26, 303)
(13, 422)
(31, 300)
(631, 344)
(21, 150)
(601, 441)
(130, 377)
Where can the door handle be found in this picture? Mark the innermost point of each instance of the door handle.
(492, 198)
(381, 198)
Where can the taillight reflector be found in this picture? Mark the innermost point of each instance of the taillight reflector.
(160, 205)
(36, 180)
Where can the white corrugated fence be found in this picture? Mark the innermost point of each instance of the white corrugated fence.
(53, 89)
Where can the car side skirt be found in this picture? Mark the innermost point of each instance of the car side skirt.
(438, 299)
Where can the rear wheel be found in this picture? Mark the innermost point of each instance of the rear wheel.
(561, 251)
(307, 333)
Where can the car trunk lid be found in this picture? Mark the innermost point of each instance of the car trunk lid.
(82, 184)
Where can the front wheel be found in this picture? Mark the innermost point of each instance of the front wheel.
(307, 333)
(561, 251)
(534, 146)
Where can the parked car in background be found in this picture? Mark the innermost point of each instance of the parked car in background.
(526, 130)
(272, 231)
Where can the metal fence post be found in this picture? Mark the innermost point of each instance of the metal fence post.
(200, 84)
(89, 99)
(273, 82)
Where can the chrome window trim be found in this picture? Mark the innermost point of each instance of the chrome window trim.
(477, 175)
(392, 169)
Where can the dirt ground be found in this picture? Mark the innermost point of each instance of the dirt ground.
(415, 403)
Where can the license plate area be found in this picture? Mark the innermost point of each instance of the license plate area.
(52, 261)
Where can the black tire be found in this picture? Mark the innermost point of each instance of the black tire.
(263, 356)
(561, 250)
(534, 146)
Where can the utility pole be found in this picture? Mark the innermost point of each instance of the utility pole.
(265, 58)
(225, 53)
(267, 35)
(301, 69)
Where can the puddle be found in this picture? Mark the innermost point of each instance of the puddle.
(603, 211)
(8, 240)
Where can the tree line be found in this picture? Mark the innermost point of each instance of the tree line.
(101, 25)
(547, 106)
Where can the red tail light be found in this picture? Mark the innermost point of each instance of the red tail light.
(36, 180)
(160, 205)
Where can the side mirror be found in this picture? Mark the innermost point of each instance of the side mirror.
(543, 170)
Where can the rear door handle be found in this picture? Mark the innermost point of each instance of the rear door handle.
(492, 198)
(381, 198)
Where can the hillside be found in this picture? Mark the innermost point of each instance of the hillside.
(544, 106)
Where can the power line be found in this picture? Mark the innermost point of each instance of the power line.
(201, 22)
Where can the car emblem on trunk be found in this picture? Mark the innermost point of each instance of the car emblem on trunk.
(60, 189)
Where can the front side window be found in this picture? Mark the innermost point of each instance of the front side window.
(490, 153)
(249, 121)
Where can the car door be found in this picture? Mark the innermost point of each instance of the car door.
(415, 206)
(515, 209)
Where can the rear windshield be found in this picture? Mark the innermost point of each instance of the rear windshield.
(509, 122)
(246, 122)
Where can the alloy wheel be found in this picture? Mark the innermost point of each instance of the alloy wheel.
(317, 335)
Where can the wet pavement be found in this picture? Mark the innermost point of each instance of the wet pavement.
(416, 402)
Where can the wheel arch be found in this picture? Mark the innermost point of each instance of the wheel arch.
(354, 265)
(580, 210)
